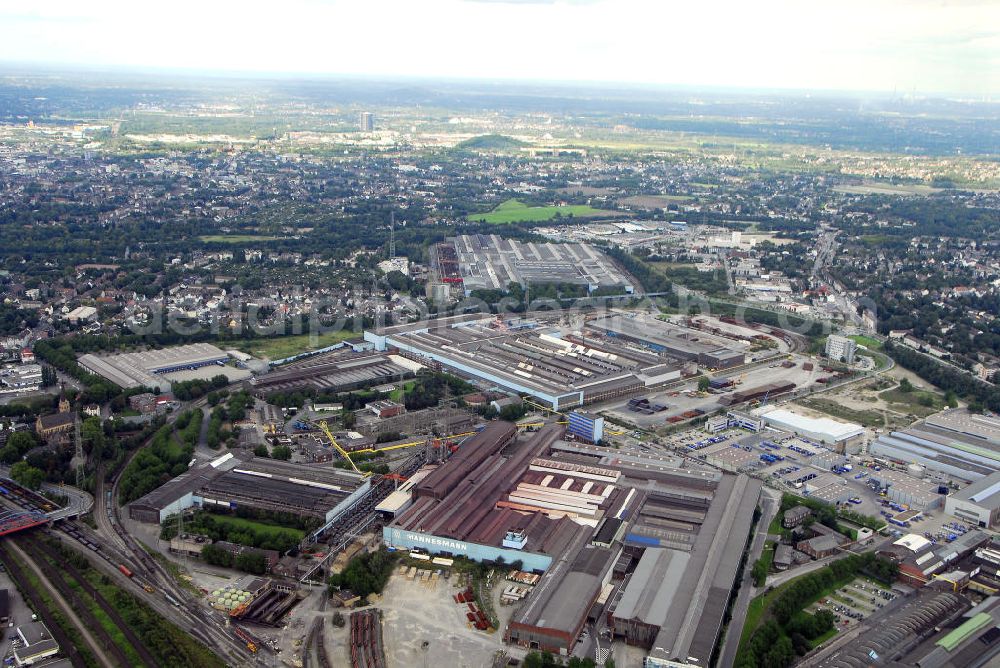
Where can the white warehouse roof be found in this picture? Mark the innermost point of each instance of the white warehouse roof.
(826, 429)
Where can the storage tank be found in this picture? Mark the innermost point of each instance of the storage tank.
(915, 469)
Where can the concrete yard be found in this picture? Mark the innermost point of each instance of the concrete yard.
(423, 626)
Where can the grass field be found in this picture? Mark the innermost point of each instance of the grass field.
(513, 211)
(263, 527)
(280, 347)
(918, 402)
(868, 342)
(235, 238)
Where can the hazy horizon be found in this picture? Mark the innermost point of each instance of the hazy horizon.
(884, 46)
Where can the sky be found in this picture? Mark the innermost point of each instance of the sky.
(918, 46)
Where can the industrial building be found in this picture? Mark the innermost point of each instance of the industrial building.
(147, 368)
(903, 489)
(955, 443)
(229, 482)
(496, 498)
(675, 601)
(841, 436)
(337, 371)
(978, 504)
(890, 638)
(490, 262)
(708, 350)
(527, 357)
(587, 517)
(969, 640)
(36, 644)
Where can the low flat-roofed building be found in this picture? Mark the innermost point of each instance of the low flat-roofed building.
(834, 433)
(977, 504)
(36, 644)
(903, 489)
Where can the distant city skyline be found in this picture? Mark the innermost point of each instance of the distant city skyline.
(923, 46)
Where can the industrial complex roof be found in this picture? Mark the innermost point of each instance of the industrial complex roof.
(492, 262)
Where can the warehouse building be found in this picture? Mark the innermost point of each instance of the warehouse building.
(526, 357)
(554, 615)
(229, 482)
(906, 490)
(675, 601)
(954, 442)
(147, 368)
(841, 436)
(978, 504)
(337, 371)
(709, 351)
(490, 262)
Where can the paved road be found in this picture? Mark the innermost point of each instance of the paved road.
(770, 502)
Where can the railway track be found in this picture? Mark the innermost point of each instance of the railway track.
(41, 550)
(100, 640)
(34, 597)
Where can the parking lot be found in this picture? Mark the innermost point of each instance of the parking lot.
(854, 602)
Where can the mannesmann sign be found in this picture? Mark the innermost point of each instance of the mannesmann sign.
(431, 540)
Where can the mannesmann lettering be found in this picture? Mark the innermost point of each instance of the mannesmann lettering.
(441, 542)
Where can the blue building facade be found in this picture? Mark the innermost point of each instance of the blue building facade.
(586, 427)
(415, 540)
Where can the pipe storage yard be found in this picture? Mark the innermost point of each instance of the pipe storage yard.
(571, 511)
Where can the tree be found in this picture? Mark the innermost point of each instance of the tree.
(27, 475)
(18, 444)
(348, 418)
(282, 452)
(94, 439)
(261, 451)
(703, 384)
(905, 386)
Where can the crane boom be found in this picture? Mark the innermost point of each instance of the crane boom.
(343, 453)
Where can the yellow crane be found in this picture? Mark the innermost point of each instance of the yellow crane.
(343, 453)
(552, 410)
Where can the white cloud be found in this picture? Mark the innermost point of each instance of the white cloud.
(845, 44)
